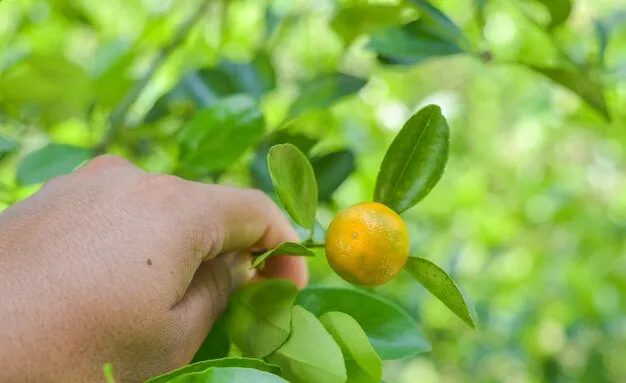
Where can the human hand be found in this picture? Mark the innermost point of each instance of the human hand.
(114, 264)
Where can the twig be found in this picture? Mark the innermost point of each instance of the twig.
(116, 120)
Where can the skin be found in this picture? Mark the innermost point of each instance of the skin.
(114, 264)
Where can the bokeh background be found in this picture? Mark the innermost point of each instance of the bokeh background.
(529, 217)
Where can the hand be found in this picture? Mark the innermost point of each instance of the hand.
(114, 264)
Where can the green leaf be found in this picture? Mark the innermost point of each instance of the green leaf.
(560, 11)
(6, 145)
(108, 373)
(50, 161)
(362, 363)
(432, 35)
(285, 248)
(364, 19)
(204, 88)
(259, 168)
(294, 181)
(391, 331)
(228, 375)
(247, 363)
(591, 91)
(323, 92)
(310, 355)
(331, 170)
(259, 316)
(254, 78)
(414, 161)
(602, 36)
(51, 86)
(480, 12)
(216, 137)
(216, 345)
(441, 285)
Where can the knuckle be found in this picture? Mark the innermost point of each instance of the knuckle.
(105, 161)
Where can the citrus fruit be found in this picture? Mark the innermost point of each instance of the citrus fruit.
(367, 244)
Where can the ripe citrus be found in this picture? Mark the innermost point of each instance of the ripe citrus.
(367, 244)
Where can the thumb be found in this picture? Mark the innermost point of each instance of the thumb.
(207, 296)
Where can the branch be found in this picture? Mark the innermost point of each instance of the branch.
(118, 116)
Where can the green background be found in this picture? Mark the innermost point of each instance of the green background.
(529, 217)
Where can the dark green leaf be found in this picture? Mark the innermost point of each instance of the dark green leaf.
(294, 182)
(204, 88)
(591, 91)
(364, 19)
(310, 355)
(216, 137)
(50, 161)
(323, 92)
(259, 316)
(441, 285)
(108, 373)
(258, 167)
(247, 363)
(432, 35)
(391, 331)
(331, 170)
(362, 363)
(602, 35)
(285, 248)
(414, 161)
(253, 78)
(228, 375)
(216, 345)
(6, 145)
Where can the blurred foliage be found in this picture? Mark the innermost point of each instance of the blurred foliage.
(530, 215)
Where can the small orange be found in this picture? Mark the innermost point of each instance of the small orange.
(367, 244)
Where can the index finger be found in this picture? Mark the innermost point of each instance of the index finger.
(247, 219)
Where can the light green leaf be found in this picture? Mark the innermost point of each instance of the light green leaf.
(7, 145)
(259, 316)
(285, 248)
(51, 85)
(391, 331)
(216, 137)
(363, 365)
(259, 168)
(50, 161)
(560, 11)
(590, 90)
(364, 19)
(441, 285)
(247, 363)
(331, 170)
(228, 375)
(323, 92)
(414, 161)
(310, 355)
(294, 181)
(108, 373)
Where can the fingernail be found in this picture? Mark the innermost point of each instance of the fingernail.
(240, 272)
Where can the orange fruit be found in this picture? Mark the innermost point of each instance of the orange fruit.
(367, 244)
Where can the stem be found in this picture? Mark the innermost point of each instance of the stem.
(312, 244)
(118, 116)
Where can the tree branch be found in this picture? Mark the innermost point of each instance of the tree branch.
(118, 116)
